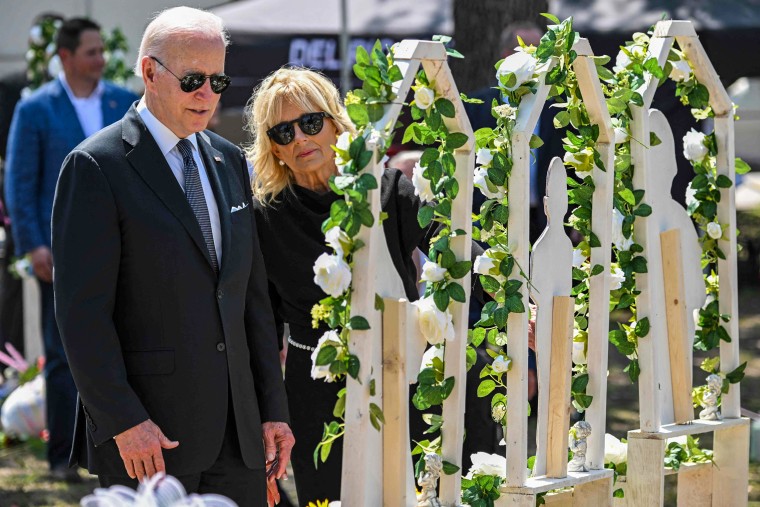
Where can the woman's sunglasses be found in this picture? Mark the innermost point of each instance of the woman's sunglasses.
(310, 124)
(192, 82)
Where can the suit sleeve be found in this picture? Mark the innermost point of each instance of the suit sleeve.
(23, 174)
(86, 253)
(261, 330)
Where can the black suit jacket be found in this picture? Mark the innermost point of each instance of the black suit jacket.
(150, 331)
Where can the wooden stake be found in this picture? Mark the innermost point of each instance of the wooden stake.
(559, 385)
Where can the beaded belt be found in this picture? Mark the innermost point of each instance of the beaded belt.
(301, 346)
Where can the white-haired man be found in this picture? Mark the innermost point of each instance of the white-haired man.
(160, 288)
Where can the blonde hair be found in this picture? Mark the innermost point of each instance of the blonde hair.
(178, 21)
(303, 88)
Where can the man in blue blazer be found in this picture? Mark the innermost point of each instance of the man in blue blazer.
(46, 126)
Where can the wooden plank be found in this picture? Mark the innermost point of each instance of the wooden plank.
(550, 275)
(30, 293)
(705, 72)
(727, 275)
(650, 403)
(452, 431)
(695, 427)
(676, 313)
(559, 386)
(645, 481)
(673, 28)
(596, 493)
(695, 486)
(559, 499)
(398, 475)
(535, 485)
(659, 48)
(730, 475)
(515, 500)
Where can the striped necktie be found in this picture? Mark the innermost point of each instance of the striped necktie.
(194, 194)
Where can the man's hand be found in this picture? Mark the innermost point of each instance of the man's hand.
(140, 449)
(273, 494)
(42, 263)
(278, 441)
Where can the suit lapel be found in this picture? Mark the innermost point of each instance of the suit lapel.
(146, 158)
(67, 110)
(213, 159)
(109, 107)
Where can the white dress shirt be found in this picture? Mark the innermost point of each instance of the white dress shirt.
(89, 109)
(167, 142)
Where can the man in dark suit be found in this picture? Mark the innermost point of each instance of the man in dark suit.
(161, 293)
(46, 126)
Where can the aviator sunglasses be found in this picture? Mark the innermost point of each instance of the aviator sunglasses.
(192, 82)
(310, 124)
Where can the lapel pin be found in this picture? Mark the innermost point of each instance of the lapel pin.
(112, 104)
(218, 159)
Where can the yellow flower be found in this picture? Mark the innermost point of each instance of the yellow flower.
(320, 503)
(319, 312)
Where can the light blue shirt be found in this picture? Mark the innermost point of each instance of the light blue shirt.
(167, 142)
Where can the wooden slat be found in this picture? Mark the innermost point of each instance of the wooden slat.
(730, 475)
(695, 486)
(672, 28)
(597, 493)
(727, 275)
(536, 485)
(679, 344)
(559, 386)
(398, 476)
(705, 72)
(695, 427)
(645, 481)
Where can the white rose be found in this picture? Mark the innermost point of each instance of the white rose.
(621, 242)
(35, 35)
(29, 55)
(691, 199)
(421, 184)
(694, 148)
(521, 64)
(332, 274)
(480, 180)
(344, 141)
(621, 135)
(483, 157)
(579, 352)
(578, 258)
(622, 60)
(435, 325)
(432, 272)
(55, 66)
(714, 230)
(50, 49)
(484, 463)
(615, 451)
(617, 277)
(582, 162)
(424, 97)
(337, 240)
(501, 364)
(118, 55)
(429, 355)
(680, 71)
(323, 372)
(484, 264)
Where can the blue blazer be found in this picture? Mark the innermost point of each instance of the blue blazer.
(44, 129)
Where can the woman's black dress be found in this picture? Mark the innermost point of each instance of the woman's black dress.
(291, 240)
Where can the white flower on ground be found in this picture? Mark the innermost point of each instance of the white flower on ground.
(480, 180)
(680, 71)
(435, 325)
(714, 230)
(483, 157)
(332, 274)
(424, 97)
(323, 372)
(421, 184)
(432, 272)
(521, 64)
(338, 240)
(621, 242)
(429, 355)
(484, 264)
(694, 148)
(501, 364)
(484, 463)
(578, 258)
(617, 277)
(615, 451)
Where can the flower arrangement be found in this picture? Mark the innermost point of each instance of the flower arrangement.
(158, 491)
